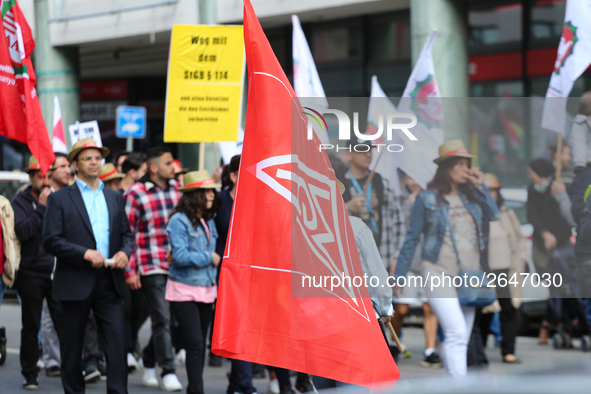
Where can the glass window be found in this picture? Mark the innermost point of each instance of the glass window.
(331, 45)
(337, 42)
(13, 154)
(539, 85)
(279, 45)
(389, 38)
(500, 24)
(547, 20)
(497, 89)
(500, 130)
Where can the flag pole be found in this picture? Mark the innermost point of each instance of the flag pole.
(371, 175)
(215, 155)
(201, 156)
(395, 337)
(559, 157)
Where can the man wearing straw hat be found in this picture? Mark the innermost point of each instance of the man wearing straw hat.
(111, 177)
(34, 282)
(87, 230)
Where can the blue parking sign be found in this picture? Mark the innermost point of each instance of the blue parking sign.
(131, 122)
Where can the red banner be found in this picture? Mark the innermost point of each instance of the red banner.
(20, 113)
(272, 243)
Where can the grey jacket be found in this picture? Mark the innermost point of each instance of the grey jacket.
(372, 265)
(580, 141)
(565, 208)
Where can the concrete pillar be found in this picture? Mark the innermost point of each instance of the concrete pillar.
(189, 153)
(57, 73)
(450, 56)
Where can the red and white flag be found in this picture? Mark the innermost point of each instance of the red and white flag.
(289, 221)
(20, 113)
(422, 98)
(572, 59)
(59, 137)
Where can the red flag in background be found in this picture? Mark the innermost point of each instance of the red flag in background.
(289, 220)
(20, 113)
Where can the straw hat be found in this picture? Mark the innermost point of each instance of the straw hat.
(35, 166)
(178, 168)
(109, 172)
(491, 181)
(198, 180)
(453, 148)
(86, 143)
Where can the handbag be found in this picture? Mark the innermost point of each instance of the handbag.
(473, 292)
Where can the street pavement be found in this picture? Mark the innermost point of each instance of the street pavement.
(537, 360)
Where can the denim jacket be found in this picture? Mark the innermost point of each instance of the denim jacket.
(428, 217)
(191, 251)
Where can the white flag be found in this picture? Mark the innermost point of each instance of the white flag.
(306, 82)
(379, 107)
(416, 159)
(59, 138)
(573, 58)
(421, 95)
(422, 98)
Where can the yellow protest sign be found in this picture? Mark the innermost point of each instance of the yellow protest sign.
(204, 85)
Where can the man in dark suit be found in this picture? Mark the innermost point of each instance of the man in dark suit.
(87, 230)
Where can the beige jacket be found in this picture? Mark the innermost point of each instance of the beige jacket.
(12, 245)
(511, 225)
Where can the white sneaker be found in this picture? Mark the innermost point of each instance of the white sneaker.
(181, 358)
(273, 387)
(132, 364)
(171, 383)
(40, 364)
(149, 378)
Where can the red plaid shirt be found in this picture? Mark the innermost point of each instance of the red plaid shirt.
(148, 208)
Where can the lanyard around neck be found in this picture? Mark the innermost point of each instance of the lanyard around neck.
(359, 190)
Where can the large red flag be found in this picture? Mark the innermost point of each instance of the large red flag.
(20, 113)
(289, 220)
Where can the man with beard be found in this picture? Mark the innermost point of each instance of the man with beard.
(61, 173)
(149, 204)
(49, 339)
(34, 282)
(87, 230)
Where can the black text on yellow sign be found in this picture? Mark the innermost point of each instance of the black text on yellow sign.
(204, 86)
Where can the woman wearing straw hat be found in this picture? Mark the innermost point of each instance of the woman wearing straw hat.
(507, 257)
(449, 215)
(191, 287)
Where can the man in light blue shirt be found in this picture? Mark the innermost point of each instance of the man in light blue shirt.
(98, 212)
(86, 228)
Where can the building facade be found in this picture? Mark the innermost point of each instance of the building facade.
(97, 55)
